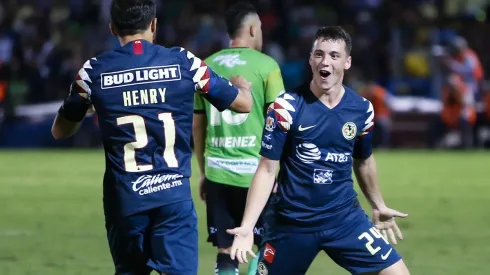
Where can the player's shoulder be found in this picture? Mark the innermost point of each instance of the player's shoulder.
(283, 110)
(266, 60)
(357, 101)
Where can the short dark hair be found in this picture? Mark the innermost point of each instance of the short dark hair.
(130, 17)
(235, 15)
(335, 33)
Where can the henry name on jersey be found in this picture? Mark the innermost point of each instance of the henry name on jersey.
(138, 76)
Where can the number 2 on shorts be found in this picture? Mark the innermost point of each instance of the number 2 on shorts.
(369, 245)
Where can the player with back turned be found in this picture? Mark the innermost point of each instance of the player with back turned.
(143, 94)
(227, 144)
(318, 134)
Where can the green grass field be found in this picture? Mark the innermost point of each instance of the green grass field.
(51, 220)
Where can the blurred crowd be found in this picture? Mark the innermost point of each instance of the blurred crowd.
(428, 48)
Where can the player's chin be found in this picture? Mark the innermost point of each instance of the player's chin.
(324, 84)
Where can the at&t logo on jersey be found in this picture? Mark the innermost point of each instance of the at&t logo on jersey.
(140, 76)
(308, 152)
(145, 184)
(338, 157)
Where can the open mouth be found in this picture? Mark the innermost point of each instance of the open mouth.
(324, 73)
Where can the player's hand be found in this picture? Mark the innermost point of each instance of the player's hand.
(384, 220)
(242, 244)
(241, 83)
(202, 190)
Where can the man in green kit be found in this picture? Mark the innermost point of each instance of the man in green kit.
(227, 144)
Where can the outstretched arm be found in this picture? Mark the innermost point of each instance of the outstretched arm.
(259, 192)
(367, 178)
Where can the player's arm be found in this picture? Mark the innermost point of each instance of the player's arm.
(367, 177)
(365, 165)
(217, 90)
(273, 141)
(71, 112)
(199, 131)
(259, 192)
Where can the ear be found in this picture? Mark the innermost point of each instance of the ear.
(252, 31)
(153, 25)
(348, 62)
(113, 31)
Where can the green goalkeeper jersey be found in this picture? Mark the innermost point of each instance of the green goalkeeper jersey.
(233, 140)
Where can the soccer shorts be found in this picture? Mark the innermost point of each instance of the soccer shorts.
(225, 205)
(355, 246)
(164, 239)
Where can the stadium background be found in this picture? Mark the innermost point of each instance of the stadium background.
(50, 191)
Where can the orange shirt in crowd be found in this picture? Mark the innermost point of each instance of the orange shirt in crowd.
(453, 105)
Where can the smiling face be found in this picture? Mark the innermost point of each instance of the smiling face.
(328, 60)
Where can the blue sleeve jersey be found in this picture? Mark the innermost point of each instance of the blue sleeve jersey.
(315, 146)
(143, 94)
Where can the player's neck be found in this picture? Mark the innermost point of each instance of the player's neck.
(240, 43)
(129, 38)
(331, 98)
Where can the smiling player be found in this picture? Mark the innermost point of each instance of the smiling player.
(318, 134)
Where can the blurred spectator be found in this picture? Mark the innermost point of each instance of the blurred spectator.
(44, 42)
(380, 98)
(457, 117)
(463, 61)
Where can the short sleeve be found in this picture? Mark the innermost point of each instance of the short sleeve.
(274, 84)
(211, 86)
(278, 122)
(363, 148)
(78, 101)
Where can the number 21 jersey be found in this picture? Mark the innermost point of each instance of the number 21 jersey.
(143, 94)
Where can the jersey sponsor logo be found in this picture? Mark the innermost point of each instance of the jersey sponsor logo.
(244, 166)
(269, 253)
(337, 157)
(138, 76)
(259, 231)
(229, 60)
(308, 152)
(233, 142)
(266, 146)
(349, 130)
(148, 184)
(262, 269)
(322, 176)
(269, 124)
(301, 128)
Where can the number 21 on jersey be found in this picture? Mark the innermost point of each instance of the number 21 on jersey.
(141, 140)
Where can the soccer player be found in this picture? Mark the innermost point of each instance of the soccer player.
(227, 144)
(143, 94)
(317, 134)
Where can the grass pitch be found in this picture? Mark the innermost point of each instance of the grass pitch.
(51, 220)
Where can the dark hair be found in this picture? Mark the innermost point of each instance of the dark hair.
(130, 17)
(235, 15)
(335, 33)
